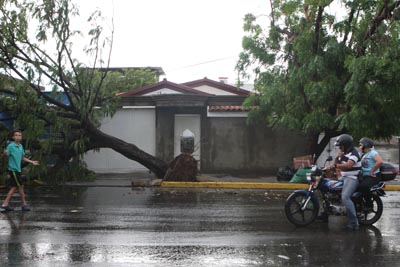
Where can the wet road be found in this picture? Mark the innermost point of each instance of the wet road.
(120, 226)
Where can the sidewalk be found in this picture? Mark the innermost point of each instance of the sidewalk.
(217, 181)
(262, 182)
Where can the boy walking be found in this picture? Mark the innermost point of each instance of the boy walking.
(16, 155)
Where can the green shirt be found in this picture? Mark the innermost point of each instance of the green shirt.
(15, 154)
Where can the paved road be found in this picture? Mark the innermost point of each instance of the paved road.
(120, 226)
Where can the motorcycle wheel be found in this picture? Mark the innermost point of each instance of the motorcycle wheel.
(295, 214)
(369, 217)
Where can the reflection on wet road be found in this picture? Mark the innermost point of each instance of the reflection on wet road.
(118, 226)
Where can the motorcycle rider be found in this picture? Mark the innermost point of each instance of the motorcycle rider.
(370, 163)
(349, 164)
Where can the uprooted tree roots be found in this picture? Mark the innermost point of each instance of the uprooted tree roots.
(183, 168)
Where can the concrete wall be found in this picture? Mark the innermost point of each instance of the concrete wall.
(389, 153)
(228, 144)
(232, 146)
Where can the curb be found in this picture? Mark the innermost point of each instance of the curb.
(392, 188)
(248, 185)
(233, 185)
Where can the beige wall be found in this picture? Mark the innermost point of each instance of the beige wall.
(133, 125)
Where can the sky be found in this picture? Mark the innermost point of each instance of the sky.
(189, 39)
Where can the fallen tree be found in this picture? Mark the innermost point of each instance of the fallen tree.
(36, 49)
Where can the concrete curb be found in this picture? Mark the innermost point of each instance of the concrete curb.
(392, 188)
(234, 185)
(247, 185)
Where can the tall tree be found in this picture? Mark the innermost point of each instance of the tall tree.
(325, 66)
(36, 46)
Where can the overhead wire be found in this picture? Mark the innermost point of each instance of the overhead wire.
(200, 63)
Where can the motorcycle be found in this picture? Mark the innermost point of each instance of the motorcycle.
(302, 206)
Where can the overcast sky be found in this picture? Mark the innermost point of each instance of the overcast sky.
(189, 39)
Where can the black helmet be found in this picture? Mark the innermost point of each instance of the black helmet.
(346, 141)
(366, 142)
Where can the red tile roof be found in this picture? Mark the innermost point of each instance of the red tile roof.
(226, 108)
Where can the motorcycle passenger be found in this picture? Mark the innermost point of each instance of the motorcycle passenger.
(370, 164)
(349, 164)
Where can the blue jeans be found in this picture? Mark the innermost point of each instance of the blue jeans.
(349, 187)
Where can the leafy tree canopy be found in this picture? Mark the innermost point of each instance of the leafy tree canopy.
(36, 53)
(326, 66)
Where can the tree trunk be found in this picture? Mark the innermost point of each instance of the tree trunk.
(103, 140)
(316, 148)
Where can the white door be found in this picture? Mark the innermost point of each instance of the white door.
(192, 123)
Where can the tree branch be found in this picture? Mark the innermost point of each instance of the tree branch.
(318, 28)
(9, 63)
(26, 58)
(384, 13)
(108, 65)
(348, 25)
(285, 31)
(42, 62)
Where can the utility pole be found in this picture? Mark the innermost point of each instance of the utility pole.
(398, 140)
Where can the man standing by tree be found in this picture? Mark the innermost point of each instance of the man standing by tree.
(16, 154)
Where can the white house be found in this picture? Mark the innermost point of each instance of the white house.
(153, 118)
